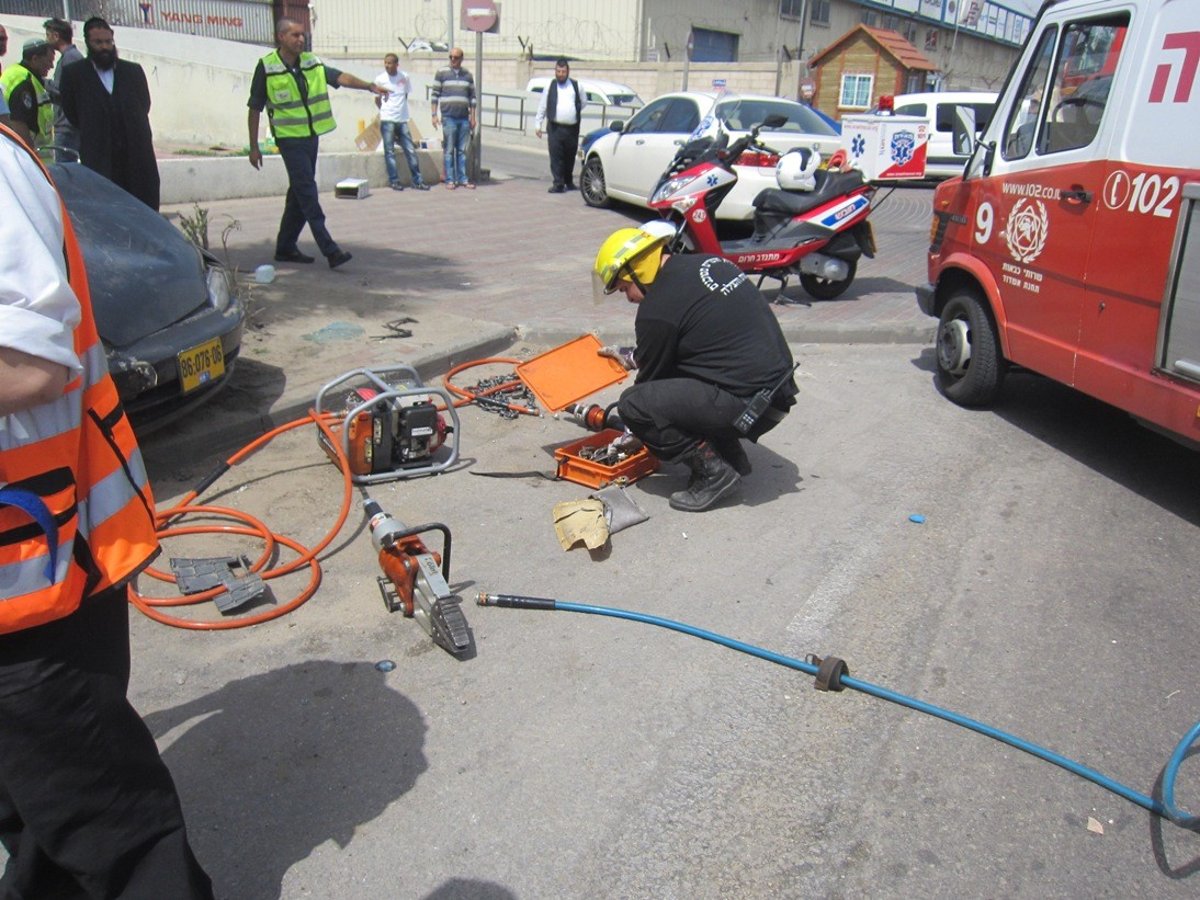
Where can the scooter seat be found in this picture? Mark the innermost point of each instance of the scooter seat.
(774, 207)
(829, 185)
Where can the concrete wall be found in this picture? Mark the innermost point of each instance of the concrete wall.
(199, 86)
(579, 28)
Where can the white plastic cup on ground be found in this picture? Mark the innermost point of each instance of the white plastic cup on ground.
(264, 274)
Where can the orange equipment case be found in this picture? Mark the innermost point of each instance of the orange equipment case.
(588, 472)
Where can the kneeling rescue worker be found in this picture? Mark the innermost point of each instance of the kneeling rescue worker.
(712, 362)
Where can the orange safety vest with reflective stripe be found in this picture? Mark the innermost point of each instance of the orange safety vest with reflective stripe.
(76, 511)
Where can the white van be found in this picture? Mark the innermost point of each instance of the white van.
(942, 161)
(606, 93)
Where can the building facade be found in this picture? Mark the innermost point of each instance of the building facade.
(973, 42)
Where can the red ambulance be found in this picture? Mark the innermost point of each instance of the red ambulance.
(1071, 244)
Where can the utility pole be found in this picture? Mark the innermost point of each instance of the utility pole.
(476, 159)
(687, 56)
(449, 24)
(801, 60)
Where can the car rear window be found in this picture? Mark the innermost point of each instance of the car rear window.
(742, 115)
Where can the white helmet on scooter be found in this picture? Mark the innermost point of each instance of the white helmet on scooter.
(796, 169)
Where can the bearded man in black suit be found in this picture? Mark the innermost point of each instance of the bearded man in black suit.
(108, 101)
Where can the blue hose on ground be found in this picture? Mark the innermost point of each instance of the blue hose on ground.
(1165, 808)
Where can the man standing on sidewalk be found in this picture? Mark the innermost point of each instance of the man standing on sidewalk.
(454, 94)
(24, 88)
(59, 33)
(562, 106)
(108, 100)
(393, 123)
(293, 86)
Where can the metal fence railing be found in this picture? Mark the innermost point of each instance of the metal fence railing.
(517, 110)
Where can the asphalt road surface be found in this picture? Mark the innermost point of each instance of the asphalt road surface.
(1049, 592)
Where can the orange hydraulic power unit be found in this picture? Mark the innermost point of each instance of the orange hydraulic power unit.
(392, 427)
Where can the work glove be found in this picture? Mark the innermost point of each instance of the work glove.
(623, 355)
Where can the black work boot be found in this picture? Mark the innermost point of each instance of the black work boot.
(731, 449)
(712, 478)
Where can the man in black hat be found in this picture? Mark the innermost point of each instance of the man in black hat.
(108, 100)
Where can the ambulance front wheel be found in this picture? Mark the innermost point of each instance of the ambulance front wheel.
(970, 367)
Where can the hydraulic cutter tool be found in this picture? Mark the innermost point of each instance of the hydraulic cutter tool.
(414, 579)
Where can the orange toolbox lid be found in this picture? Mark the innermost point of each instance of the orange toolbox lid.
(567, 374)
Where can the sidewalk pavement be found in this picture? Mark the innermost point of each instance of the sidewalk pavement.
(471, 273)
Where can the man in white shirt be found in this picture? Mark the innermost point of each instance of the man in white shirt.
(393, 123)
(561, 106)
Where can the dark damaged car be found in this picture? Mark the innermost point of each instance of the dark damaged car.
(166, 311)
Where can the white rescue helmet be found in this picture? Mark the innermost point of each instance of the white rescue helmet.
(797, 169)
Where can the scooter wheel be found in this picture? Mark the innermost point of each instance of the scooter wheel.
(823, 288)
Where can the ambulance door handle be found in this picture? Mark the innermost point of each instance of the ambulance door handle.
(1077, 195)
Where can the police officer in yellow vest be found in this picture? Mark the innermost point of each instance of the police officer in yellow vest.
(25, 91)
(293, 86)
(87, 807)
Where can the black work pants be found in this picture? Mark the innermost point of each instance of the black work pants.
(87, 807)
(303, 203)
(674, 415)
(563, 141)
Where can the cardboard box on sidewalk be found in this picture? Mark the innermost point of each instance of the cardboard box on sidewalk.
(369, 137)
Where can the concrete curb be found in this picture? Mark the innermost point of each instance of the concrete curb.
(795, 334)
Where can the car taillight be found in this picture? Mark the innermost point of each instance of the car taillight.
(761, 160)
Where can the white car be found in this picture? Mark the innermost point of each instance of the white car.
(627, 163)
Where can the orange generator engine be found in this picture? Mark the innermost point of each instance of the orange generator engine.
(392, 427)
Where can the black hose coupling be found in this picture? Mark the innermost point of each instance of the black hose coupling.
(830, 672)
(513, 601)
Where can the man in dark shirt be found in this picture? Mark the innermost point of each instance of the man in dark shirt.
(59, 34)
(24, 86)
(707, 345)
(295, 94)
